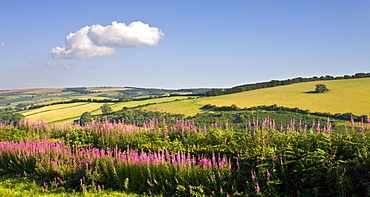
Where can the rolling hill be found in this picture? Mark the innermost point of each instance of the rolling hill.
(346, 95)
(61, 113)
(27, 97)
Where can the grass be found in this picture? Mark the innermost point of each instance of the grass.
(344, 96)
(186, 107)
(119, 106)
(12, 186)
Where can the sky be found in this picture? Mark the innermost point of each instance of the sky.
(179, 44)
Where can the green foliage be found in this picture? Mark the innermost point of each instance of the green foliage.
(297, 159)
(17, 186)
(106, 109)
(10, 117)
(293, 113)
(86, 118)
(9, 133)
(136, 116)
(321, 88)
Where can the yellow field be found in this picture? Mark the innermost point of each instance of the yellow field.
(350, 95)
(54, 113)
(186, 107)
(50, 108)
(68, 112)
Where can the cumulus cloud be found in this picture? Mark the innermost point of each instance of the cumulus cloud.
(100, 40)
(79, 46)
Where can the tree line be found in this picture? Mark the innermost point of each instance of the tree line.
(274, 83)
(9, 117)
(130, 116)
(339, 116)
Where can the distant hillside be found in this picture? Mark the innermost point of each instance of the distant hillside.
(26, 97)
(274, 83)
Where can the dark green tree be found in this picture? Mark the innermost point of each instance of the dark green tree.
(10, 117)
(86, 118)
(234, 107)
(240, 119)
(106, 109)
(320, 88)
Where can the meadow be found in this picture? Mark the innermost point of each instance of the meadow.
(344, 96)
(185, 159)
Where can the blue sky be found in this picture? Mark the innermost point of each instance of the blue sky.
(191, 43)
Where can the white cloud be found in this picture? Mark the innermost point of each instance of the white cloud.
(79, 46)
(100, 40)
(2, 44)
(119, 35)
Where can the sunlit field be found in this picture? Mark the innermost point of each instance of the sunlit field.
(344, 96)
(59, 112)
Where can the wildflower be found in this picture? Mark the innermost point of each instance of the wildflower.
(254, 176)
(44, 190)
(258, 188)
(352, 121)
(268, 174)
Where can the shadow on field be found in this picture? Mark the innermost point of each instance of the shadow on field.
(310, 92)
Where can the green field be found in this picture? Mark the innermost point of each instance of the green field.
(349, 95)
(119, 106)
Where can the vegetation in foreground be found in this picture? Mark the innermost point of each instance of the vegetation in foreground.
(184, 159)
(16, 186)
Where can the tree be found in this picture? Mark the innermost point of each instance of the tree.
(106, 109)
(320, 88)
(234, 107)
(240, 119)
(86, 118)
